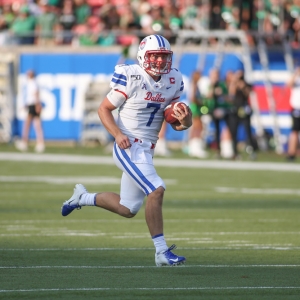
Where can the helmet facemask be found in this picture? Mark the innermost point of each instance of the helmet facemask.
(155, 55)
(158, 62)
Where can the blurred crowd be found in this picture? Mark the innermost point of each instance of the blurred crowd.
(224, 103)
(110, 22)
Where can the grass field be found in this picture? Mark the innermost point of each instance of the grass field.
(239, 230)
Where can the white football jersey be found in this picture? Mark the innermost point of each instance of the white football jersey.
(141, 114)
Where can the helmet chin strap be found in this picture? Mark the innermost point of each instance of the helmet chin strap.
(152, 72)
(157, 71)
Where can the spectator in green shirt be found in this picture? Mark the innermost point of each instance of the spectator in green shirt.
(47, 25)
(218, 95)
(82, 11)
(231, 15)
(294, 18)
(23, 27)
(7, 16)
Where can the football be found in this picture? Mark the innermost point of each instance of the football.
(169, 111)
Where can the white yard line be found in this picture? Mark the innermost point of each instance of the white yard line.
(172, 163)
(147, 267)
(63, 232)
(98, 180)
(63, 180)
(253, 191)
(252, 248)
(154, 289)
(22, 222)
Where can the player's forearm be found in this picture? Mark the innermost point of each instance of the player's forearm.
(108, 121)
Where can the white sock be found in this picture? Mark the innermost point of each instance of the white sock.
(88, 199)
(159, 243)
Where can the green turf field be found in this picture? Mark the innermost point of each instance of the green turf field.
(239, 230)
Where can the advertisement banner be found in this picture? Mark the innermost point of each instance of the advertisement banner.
(64, 80)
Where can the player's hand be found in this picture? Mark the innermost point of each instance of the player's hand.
(122, 141)
(184, 116)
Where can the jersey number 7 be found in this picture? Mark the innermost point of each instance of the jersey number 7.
(156, 108)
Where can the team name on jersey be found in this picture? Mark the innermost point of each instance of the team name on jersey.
(155, 98)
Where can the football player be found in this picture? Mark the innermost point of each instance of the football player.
(140, 92)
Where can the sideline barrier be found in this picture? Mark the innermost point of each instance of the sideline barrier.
(65, 78)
